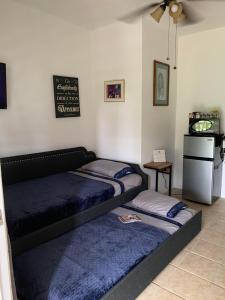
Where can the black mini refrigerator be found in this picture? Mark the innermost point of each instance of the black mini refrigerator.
(202, 167)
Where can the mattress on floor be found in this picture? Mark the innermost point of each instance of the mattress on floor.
(34, 204)
(86, 262)
(166, 212)
(166, 224)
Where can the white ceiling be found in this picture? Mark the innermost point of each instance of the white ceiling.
(92, 14)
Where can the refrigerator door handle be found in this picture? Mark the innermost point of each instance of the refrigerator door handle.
(198, 158)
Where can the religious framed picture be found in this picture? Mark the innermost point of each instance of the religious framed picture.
(161, 84)
(67, 100)
(115, 91)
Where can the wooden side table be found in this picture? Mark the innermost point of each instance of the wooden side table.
(162, 167)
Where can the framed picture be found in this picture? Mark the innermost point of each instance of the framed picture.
(161, 84)
(67, 100)
(115, 91)
(3, 93)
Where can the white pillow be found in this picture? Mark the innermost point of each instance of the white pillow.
(157, 203)
(108, 168)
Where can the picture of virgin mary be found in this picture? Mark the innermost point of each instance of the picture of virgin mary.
(161, 84)
(161, 87)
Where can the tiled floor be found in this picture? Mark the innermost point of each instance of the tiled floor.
(198, 272)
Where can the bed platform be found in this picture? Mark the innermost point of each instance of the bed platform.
(29, 170)
(111, 261)
(90, 254)
(140, 276)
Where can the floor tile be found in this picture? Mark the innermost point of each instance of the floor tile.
(216, 225)
(191, 245)
(204, 268)
(212, 236)
(209, 250)
(207, 219)
(154, 292)
(179, 258)
(188, 286)
(219, 205)
(212, 215)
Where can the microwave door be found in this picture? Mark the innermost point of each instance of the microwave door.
(204, 126)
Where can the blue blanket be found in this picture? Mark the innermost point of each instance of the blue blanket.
(86, 262)
(36, 203)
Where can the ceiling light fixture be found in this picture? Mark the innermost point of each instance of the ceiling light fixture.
(158, 13)
(175, 10)
(180, 19)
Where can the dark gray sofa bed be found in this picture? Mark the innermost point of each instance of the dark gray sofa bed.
(22, 168)
(29, 170)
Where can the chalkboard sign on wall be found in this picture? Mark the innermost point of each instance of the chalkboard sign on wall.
(3, 96)
(66, 92)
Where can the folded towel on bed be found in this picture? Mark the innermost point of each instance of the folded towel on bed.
(157, 203)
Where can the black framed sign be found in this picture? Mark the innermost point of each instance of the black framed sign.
(66, 92)
(3, 94)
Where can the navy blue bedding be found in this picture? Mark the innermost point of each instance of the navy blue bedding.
(33, 204)
(86, 262)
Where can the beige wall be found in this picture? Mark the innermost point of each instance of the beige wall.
(133, 129)
(158, 123)
(201, 85)
(35, 45)
(0, 292)
(116, 54)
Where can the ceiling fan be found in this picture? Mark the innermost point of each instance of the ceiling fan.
(180, 11)
(175, 8)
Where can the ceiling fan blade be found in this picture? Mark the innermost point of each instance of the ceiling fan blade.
(191, 17)
(131, 17)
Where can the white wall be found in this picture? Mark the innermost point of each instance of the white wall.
(133, 129)
(158, 123)
(35, 45)
(201, 85)
(116, 54)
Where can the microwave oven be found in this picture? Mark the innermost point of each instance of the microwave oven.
(204, 126)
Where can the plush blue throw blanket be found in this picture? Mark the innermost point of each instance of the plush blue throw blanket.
(86, 262)
(36, 203)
